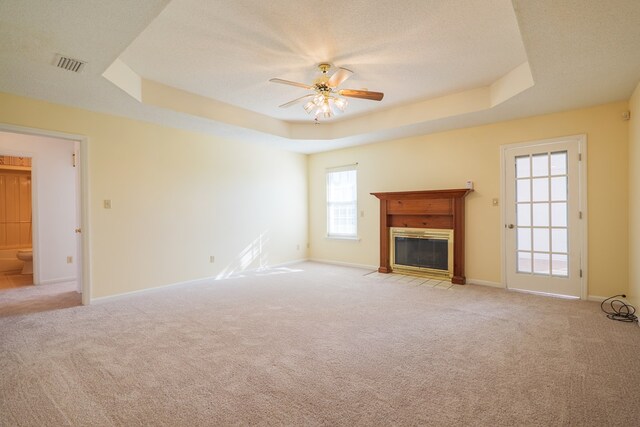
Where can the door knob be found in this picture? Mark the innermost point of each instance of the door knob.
(510, 226)
(78, 230)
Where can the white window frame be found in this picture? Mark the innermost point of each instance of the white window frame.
(335, 235)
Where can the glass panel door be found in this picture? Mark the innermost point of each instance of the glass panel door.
(542, 210)
(541, 223)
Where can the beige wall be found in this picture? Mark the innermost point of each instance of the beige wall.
(177, 198)
(449, 159)
(180, 196)
(634, 198)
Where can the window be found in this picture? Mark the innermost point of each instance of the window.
(342, 202)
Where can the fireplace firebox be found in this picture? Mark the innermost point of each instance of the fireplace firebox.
(424, 251)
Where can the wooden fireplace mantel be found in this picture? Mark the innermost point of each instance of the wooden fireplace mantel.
(442, 209)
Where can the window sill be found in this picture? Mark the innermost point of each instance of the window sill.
(353, 239)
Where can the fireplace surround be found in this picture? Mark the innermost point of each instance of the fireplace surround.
(430, 209)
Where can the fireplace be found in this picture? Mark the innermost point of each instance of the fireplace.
(424, 251)
(430, 211)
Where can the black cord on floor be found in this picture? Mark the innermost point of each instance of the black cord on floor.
(619, 310)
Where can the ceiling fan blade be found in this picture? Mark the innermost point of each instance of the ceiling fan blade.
(287, 82)
(364, 94)
(338, 77)
(295, 101)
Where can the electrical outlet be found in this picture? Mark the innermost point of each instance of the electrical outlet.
(361, 214)
(107, 204)
(297, 247)
(212, 259)
(69, 260)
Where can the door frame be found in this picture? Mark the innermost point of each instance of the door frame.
(81, 147)
(581, 139)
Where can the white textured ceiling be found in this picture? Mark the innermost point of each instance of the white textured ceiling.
(410, 50)
(580, 53)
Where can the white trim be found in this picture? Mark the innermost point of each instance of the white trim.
(84, 266)
(344, 264)
(343, 168)
(79, 164)
(582, 203)
(284, 264)
(60, 280)
(486, 283)
(545, 294)
(123, 295)
(353, 239)
(199, 281)
(596, 298)
(85, 223)
(584, 235)
(338, 169)
(503, 216)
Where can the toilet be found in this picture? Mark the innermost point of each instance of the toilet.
(26, 255)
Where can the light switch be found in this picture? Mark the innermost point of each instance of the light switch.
(107, 204)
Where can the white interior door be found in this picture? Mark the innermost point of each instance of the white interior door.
(542, 217)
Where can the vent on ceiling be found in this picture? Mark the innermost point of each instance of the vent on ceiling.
(68, 64)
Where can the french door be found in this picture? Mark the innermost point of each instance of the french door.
(543, 234)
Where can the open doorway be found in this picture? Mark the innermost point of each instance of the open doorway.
(49, 226)
(16, 255)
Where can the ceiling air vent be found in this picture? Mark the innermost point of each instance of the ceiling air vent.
(68, 64)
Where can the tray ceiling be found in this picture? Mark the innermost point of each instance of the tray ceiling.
(205, 66)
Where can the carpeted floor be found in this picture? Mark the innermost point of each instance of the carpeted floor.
(321, 345)
(36, 299)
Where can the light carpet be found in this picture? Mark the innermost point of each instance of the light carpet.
(316, 344)
(38, 298)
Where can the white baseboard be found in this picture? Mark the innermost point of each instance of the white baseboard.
(597, 298)
(545, 294)
(284, 264)
(199, 281)
(59, 280)
(109, 298)
(500, 285)
(345, 264)
(485, 283)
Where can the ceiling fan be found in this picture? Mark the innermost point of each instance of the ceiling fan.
(326, 99)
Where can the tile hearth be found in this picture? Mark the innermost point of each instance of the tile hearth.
(411, 280)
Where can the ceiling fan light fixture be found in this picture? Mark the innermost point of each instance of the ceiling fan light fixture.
(325, 106)
(309, 107)
(340, 103)
(318, 100)
(327, 100)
